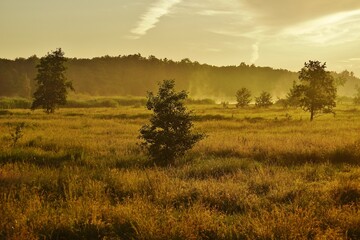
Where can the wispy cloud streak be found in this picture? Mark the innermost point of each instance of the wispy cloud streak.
(336, 28)
(153, 15)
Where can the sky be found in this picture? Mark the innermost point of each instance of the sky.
(276, 33)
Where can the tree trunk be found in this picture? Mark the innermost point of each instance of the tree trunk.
(311, 115)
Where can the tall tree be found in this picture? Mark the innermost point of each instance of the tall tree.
(52, 85)
(169, 135)
(316, 90)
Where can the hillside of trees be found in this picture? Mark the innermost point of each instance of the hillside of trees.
(134, 75)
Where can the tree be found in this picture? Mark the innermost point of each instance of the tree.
(243, 97)
(264, 100)
(316, 91)
(51, 81)
(169, 134)
(341, 78)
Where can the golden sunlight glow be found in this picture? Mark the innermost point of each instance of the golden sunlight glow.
(272, 33)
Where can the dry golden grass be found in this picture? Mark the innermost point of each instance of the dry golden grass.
(260, 174)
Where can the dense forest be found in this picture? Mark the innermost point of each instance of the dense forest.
(134, 75)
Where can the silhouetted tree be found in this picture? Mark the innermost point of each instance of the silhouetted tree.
(243, 97)
(169, 133)
(316, 90)
(264, 100)
(52, 85)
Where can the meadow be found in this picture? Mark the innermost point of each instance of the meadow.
(259, 174)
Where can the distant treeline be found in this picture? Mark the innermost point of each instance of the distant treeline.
(134, 75)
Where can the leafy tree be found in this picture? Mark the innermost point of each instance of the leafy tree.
(168, 135)
(51, 81)
(316, 91)
(264, 100)
(341, 78)
(243, 97)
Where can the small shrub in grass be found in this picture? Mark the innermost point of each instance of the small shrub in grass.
(169, 135)
(264, 100)
(17, 133)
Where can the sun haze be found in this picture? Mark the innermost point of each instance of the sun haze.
(276, 33)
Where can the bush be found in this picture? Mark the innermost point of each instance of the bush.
(169, 134)
(264, 100)
(243, 97)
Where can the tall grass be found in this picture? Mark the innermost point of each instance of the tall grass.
(79, 174)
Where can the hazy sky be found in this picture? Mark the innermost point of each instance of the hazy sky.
(276, 33)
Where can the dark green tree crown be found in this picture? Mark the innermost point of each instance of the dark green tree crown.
(168, 135)
(51, 82)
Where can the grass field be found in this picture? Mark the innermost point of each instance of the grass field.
(259, 174)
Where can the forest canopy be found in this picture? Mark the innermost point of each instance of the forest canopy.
(134, 75)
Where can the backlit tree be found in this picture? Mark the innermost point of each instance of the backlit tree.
(169, 133)
(316, 91)
(52, 85)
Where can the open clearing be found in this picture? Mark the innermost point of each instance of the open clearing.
(260, 174)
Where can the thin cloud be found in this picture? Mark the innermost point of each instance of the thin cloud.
(153, 15)
(214, 12)
(335, 28)
(280, 13)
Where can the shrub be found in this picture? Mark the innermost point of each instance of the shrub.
(243, 97)
(264, 100)
(17, 133)
(169, 134)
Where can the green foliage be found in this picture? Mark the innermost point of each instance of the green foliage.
(316, 91)
(264, 100)
(243, 97)
(169, 134)
(51, 81)
(124, 76)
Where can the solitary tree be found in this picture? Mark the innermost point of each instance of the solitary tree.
(264, 100)
(169, 134)
(51, 82)
(316, 91)
(243, 97)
